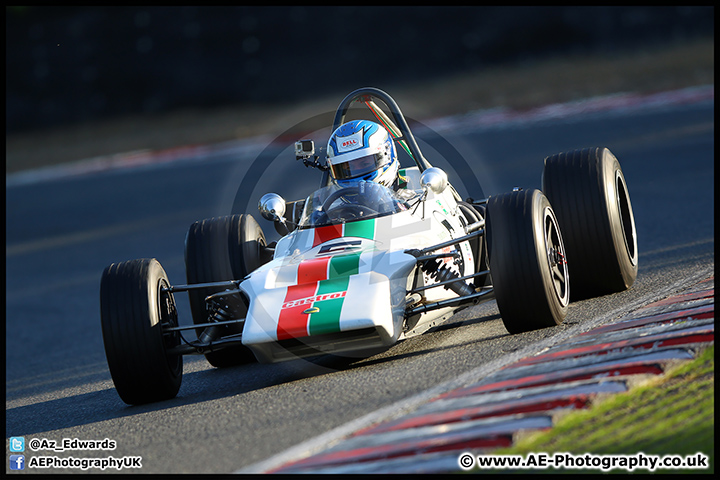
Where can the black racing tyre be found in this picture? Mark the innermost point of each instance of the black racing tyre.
(588, 191)
(133, 311)
(219, 249)
(526, 254)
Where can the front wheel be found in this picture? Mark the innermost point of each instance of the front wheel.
(527, 261)
(134, 309)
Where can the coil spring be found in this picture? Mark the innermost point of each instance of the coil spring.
(441, 273)
(220, 313)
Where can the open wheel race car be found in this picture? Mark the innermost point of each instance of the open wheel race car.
(359, 268)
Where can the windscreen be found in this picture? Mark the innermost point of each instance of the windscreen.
(334, 204)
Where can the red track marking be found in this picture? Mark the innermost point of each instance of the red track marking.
(681, 337)
(573, 374)
(481, 411)
(703, 312)
(384, 452)
(687, 297)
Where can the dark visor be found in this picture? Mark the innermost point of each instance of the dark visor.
(358, 167)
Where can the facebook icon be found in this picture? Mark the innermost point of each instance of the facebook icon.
(17, 462)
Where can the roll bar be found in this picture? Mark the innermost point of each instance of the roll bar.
(397, 126)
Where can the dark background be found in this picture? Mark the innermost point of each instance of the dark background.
(78, 64)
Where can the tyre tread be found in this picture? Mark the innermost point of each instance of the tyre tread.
(575, 184)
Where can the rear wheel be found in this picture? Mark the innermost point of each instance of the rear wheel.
(133, 311)
(527, 261)
(590, 196)
(220, 249)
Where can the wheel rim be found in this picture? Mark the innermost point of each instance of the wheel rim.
(627, 220)
(169, 319)
(556, 258)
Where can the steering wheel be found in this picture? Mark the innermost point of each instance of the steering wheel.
(351, 211)
(352, 208)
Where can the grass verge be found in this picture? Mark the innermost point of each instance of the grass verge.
(670, 415)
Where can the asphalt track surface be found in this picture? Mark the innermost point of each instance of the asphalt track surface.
(61, 233)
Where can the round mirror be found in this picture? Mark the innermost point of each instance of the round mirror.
(434, 179)
(272, 207)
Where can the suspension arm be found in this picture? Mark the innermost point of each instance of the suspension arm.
(201, 325)
(198, 347)
(184, 288)
(447, 282)
(475, 298)
(452, 241)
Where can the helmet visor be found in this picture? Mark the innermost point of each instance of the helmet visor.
(359, 166)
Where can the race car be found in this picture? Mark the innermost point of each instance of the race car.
(359, 268)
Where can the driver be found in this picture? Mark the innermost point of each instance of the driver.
(362, 150)
(361, 157)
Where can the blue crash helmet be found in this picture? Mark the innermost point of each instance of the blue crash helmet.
(361, 150)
